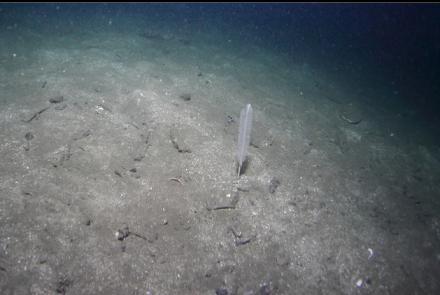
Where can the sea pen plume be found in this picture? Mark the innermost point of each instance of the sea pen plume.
(244, 135)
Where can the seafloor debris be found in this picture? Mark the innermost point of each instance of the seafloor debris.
(238, 237)
(56, 99)
(273, 185)
(63, 284)
(350, 121)
(29, 136)
(176, 179)
(221, 291)
(231, 205)
(178, 143)
(185, 96)
(125, 232)
(36, 115)
(60, 107)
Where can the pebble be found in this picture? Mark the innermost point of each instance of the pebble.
(274, 183)
(221, 291)
(56, 99)
(185, 96)
(29, 136)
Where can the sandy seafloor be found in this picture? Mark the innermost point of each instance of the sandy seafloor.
(144, 142)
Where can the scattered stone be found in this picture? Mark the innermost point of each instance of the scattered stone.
(29, 136)
(178, 143)
(101, 108)
(221, 291)
(185, 96)
(265, 289)
(62, 285)
(151, 238)
(60, 107)
(292, 203)
(273, 185)
(229, 119)
(123, 233)
(88, 222)
(42, 260)
(56, 99)
(283, 259)
(139, 158)
(82, 135)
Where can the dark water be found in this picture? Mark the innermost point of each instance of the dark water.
(393, 48)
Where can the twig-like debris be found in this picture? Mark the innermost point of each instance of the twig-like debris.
(181, 148)
(138, 235)
(36, 115)
(104, 107)
(239, 242)
(176, 179)
(232, 205)
(219, 207)
(134, 125)
(123, 233)
(349, 120)
(238, 237)
(81, 136)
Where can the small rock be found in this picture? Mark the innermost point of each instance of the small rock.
(123, 233)
(138, 158)
(56, 99)
(133, 170)
(62, 285)
(61, 107)
(229, 119)
(185, 96)
(29, 136)
(221, 291)
(265, 290)
(274, 183)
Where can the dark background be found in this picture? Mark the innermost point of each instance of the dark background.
(393, 46)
